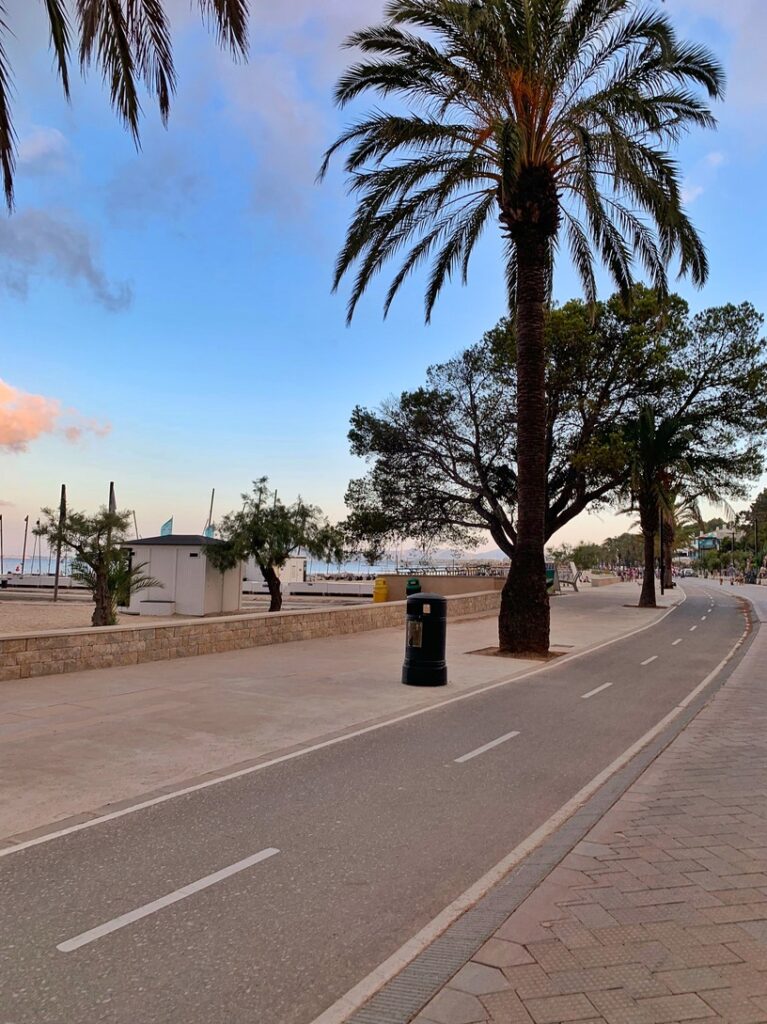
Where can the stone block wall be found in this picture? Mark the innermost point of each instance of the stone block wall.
(74, 650)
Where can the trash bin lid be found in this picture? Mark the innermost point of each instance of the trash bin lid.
(437, 604)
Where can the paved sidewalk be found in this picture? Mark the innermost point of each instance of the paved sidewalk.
(73, 743)
(660, 914)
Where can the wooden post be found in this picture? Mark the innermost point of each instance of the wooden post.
(24, 551)
(62, 517)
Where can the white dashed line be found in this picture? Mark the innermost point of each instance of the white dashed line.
(703, 618)
(165, 901)
(485, 747)
(650, 660)
(591, 693)
(677, 642)
(693, 628)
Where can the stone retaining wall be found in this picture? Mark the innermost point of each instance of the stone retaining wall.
(447, 586)
(74, 650)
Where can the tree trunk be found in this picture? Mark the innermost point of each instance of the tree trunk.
(523, 623)
(275, 590)
(103, 612)
(669, 531)
(647, 596)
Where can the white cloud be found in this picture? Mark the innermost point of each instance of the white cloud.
(691, 192)
(744, 23)
(44, 151)
(280, 99)
(40, 243)
(702, 176)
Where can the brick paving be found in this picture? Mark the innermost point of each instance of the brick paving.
(660, 914)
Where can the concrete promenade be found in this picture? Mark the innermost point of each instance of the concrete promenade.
(660, 914)
(73, 744)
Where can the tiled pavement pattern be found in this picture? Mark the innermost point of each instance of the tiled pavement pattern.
(660, 914)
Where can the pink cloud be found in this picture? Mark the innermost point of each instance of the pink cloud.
(24, 417)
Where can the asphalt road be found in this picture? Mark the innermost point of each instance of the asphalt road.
(333, 859)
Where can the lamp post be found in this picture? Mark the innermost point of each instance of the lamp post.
(733, 548)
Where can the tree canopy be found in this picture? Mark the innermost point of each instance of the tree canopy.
(558, 117)
(270, 531)
(443, 457)
(102, 562)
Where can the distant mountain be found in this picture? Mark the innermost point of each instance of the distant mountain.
(494, 555)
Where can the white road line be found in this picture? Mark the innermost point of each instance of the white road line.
(155, 801)
(379, 976)
(693, 628)
(487, 746)
(165, 901)
(703, 618)
(649, 661)
(677, 642)
(591, 693)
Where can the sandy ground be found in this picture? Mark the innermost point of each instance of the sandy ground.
(34, 616)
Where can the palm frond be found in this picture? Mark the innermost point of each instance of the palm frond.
(230, 18)
(60, 39)
(591, 95)
(7, 132)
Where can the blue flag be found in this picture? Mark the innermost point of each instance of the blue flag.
(167, 528)
(209, 531)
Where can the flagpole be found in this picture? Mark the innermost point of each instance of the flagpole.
(24, 551)
(135, 525)
(210, 513)
(62, 516)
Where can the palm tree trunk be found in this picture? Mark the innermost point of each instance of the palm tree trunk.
(647, 597)
(523, 623)
(669, 532)
(275, 590)
(103, 611)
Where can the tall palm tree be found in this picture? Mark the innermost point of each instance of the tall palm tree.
(672, 464)
(555, 117)
(129, 41)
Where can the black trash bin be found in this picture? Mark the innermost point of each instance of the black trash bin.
(425, 638)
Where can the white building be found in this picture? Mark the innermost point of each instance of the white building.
(293, 571)
(191, 585)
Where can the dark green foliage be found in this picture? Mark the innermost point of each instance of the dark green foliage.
(101, 563)
(444, 456)
(532, 111)
(270, 532)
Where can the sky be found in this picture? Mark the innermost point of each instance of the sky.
(168, 321)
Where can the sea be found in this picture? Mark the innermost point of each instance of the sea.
(38, 568)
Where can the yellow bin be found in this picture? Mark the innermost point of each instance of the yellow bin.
(380, 591)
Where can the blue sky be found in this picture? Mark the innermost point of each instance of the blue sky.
(176, 303)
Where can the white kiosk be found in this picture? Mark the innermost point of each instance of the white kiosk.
(191, 585)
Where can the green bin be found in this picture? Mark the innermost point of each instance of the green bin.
(413, 586)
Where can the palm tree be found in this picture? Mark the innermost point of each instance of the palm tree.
(129, 41)
(672, 465)
(122, 581)
(554, 116)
